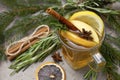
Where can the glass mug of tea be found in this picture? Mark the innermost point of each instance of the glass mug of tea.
(79, 56)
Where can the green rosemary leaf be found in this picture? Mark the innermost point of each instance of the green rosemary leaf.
(94, 76)
(90, 75)
(45, 46)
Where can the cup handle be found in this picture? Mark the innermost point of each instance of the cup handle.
(98, 62)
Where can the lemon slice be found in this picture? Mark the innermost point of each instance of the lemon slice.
(76, 39)
(81, 25)
(91, 19)
(50, 71)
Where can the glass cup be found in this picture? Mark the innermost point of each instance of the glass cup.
(78, 57)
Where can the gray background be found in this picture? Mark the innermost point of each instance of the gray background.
(29, 74)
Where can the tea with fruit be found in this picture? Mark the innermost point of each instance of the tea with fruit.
(81, 47)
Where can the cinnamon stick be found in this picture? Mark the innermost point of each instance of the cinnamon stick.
(15, 48)
(61, 18)
(23, 49)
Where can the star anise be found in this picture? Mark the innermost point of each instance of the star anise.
(56, 57)
(86, 34)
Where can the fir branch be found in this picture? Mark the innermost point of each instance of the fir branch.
(114, 0)
(104, 10)
(2, 55)
(11, 3)
(96, 3)
(24, 25)
(111, 16)
(114, 22)
(112, 56)
(112, 74)
(16, 4)
(5, 19)
(23, 11)
(113, 53)
(26, 7)
(114, 40)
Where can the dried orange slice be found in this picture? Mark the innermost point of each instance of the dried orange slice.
(50, 71)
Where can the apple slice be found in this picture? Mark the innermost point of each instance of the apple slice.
(81, 25)
(76, 39)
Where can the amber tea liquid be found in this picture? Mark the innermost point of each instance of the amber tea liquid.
(76, 56)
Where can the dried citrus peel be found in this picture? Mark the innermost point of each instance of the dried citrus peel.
(50, 71)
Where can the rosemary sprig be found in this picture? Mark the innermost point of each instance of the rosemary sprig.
(37, 52)
(89, 74)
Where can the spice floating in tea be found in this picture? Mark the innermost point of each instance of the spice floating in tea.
(86, 34)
